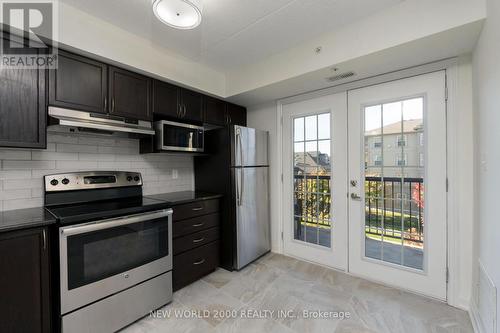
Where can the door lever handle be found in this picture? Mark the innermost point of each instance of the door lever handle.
(354, 196)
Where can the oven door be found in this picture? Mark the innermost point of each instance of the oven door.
(179, 137)
(98, 259)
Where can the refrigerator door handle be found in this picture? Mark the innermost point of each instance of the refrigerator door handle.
(238, 200)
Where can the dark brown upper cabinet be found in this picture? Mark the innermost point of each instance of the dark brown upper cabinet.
(236, 115)
(130, 94)
(165, 100)
(78, 83)
(23, 114)
(215, 111)
(25, 285)
(191, 105)
(177, 103)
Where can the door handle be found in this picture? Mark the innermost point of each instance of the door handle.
(198, 225)
(356, 197)
(113, 104)
(198, 240)
(44, 239)
(197, 209)
(105, 104)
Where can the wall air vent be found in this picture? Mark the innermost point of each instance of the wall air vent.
(341, 76)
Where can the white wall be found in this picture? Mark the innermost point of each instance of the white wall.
(263, 117)
(22, 170)
(486, 70)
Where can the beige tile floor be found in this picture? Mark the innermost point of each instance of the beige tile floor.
(276, 282)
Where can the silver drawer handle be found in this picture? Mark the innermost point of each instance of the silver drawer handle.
(198, 240)
(197, 209)
(198, 225)
(199, 262)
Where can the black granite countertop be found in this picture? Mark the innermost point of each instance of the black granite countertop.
(25, 218)
(176, 198)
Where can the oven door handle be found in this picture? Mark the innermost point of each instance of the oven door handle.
(114, 222)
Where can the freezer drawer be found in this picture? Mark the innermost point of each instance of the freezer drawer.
(252, 214)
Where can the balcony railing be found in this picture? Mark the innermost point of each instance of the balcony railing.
(394, 207)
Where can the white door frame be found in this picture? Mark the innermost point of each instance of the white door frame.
(455, 277)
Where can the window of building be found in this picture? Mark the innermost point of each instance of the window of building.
(401, 140)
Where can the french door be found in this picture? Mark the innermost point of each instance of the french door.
(397, 166)
(315, 170)
(365, 182)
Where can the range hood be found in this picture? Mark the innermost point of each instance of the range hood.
(99, 122)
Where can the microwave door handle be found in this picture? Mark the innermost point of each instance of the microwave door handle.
(115, 222)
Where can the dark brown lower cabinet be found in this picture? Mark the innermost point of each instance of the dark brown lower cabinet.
(196, 241)
(24, 281)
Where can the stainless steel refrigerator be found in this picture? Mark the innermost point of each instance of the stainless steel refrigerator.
(237, 166)
(250, 172)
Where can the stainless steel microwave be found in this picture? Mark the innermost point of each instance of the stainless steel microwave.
(175, 136)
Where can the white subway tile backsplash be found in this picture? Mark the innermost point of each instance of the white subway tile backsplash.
(22, 171)
(27, 165)
(11, 154)
(43, 155)
(73, 148)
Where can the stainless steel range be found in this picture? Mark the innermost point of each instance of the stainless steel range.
(114, 247)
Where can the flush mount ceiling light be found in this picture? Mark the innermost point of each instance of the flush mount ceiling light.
(179, 14)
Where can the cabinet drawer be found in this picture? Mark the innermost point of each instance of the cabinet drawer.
(186, 227)
(193, 209)
(183, 244)
(194, 264)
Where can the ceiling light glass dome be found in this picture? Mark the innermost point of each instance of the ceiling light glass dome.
(179, 14)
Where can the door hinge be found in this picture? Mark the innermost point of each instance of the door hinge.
(282, 178)
(281, 120)
(447, 275)
(282, 235)
(447, 185)
(446, 93)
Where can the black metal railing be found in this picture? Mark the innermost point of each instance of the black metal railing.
(394, 206)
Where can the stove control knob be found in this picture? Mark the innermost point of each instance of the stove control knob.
(129, 178)
(136, 178)
(65, 181)
(54, 182)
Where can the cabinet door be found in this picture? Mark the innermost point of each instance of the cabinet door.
(236, 115)
(165, 100)
(24, 282)
(78, 83)
(23, 114)
(130, 94)
(192, 106)
(215, 111)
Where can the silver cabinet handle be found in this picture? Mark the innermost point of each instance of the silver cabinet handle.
(113, 104)
(199, 262)
(197, 209)
(185, 111)
(198, 225)
(354, 196)
(198, 240)
(105, 103)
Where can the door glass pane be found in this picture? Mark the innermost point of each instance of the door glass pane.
(394, 182)
(312, 172)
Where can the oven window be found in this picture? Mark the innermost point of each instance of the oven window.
(100, 254)
(183, 137)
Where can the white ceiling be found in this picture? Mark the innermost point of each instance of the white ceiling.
(235, 33)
